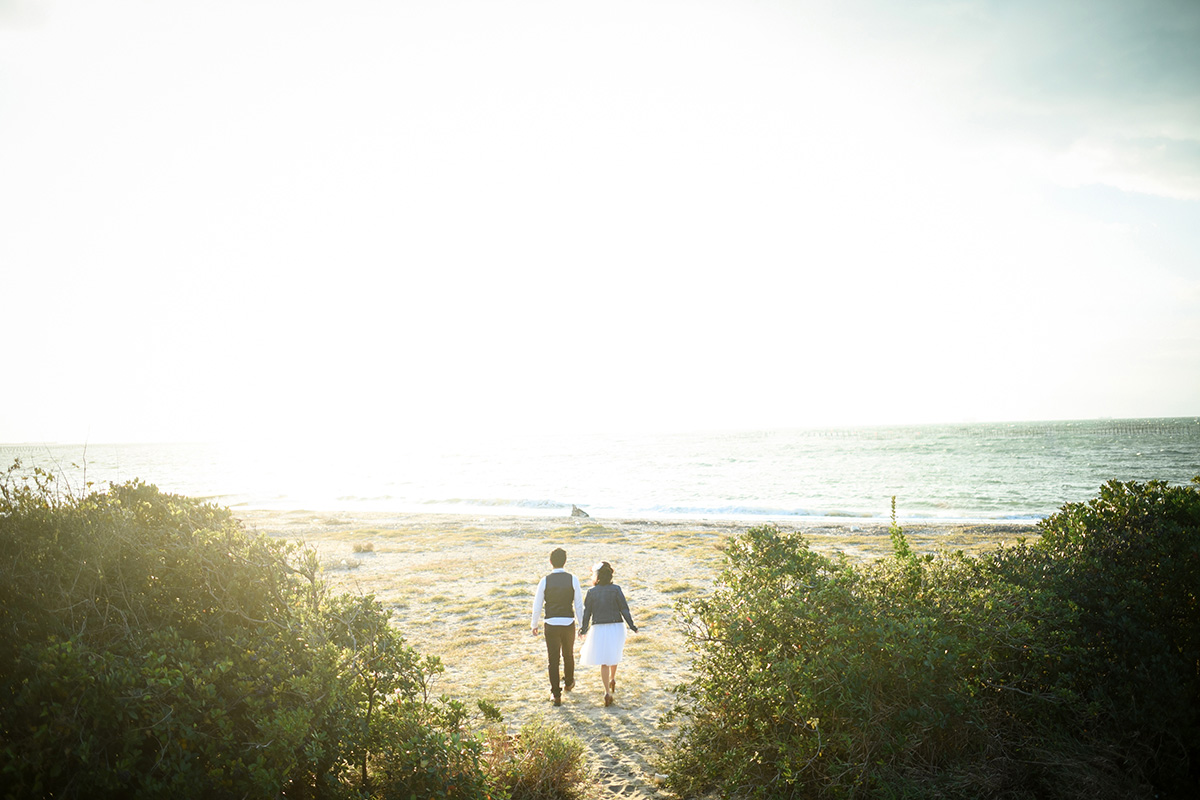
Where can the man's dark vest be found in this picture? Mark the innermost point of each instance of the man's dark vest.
(560, 595)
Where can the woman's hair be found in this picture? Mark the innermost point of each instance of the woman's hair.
(604, 573)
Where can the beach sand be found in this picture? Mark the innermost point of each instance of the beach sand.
(461, 588)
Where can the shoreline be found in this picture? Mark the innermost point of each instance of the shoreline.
(858, 537)
(515, 513)
(408, 518)
(460, 587)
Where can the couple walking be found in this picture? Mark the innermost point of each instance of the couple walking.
(603, 613)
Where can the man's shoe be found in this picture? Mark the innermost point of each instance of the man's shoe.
(568, 686)
(558, 700)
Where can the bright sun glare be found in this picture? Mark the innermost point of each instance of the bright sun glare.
(368, 219)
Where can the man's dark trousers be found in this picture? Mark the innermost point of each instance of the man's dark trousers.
(560, 643)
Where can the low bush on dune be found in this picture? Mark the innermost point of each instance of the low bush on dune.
(1062, 668)
(150, 647)
(540, 762)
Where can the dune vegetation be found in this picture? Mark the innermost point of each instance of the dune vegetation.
(152, 645)
(1061, 668)
(153, 648)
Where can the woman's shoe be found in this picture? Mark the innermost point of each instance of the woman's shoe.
(612, 686)
(608, 700)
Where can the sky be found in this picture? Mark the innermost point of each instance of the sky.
(371, 219)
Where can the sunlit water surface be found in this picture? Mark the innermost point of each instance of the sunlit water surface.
(1018, 471)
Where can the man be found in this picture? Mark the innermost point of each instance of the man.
(560, 596)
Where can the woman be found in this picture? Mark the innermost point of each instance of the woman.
(604, 608)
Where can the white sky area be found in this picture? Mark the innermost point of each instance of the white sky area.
(277, 218)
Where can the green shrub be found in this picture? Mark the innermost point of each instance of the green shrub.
(1061, 669)
(539, 763)
(817, 678)
(151, 647)
(415, 757)
(1127, 563)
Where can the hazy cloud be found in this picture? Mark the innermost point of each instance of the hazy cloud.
(1110, 87)
(20, 13)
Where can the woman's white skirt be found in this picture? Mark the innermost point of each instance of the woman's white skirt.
(604, 645)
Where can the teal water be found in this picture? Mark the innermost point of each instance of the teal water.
(1016, 471)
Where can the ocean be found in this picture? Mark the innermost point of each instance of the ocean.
(1020, 471)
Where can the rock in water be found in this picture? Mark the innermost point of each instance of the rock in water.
(576, 511)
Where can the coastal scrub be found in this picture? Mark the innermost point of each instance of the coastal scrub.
(153, 648)
(1062, 668)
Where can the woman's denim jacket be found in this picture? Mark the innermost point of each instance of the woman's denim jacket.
(604, 604)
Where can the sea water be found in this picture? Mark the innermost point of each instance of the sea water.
(967, 472)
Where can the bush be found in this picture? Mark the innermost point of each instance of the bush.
(417, 756)
(539, 763)
(1064, 668)
(151, 647)
(1127, 564)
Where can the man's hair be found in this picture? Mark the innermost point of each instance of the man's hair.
(558, 557)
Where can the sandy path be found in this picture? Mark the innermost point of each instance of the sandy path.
(461, 588)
